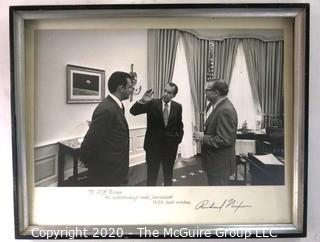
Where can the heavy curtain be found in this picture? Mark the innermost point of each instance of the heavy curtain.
(197, 55)
(162, 49)
(225, 52)
(265, 69)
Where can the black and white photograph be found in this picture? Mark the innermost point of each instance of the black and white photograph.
(84, 84)
(237, 73)
(190, 117)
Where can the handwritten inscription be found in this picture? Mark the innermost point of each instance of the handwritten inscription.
(226, 204)
(169, 200)
(118, 194)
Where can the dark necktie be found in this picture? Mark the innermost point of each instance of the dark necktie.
(166, 114)
(122, 108)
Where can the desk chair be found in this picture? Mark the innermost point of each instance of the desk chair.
(275, 138)
(240, 162)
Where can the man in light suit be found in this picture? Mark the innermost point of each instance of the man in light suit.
(220, 133)
(105, 147)
(164, 132)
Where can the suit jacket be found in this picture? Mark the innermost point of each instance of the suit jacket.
(105, 147)
(220, 133)
(158, 135)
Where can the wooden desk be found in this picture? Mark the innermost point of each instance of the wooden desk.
(68, 147)
(262, 174)
(258, 136)
(251, 135)
(242, 151)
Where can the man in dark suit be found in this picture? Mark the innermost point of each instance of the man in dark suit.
(105, 147)
(164, 132)
(220, 133)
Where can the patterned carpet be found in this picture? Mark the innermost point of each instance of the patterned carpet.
(189, 176)
(187, 172)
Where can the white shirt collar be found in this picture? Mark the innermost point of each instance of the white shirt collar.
(216, 104)
(116, 99)
(169, 104)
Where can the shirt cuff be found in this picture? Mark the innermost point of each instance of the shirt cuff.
(140, 102)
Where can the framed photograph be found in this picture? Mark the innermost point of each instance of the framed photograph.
(84, 85)
(257, 53)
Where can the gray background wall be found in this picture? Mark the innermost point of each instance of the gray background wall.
(6, 204)
(55, 120)
(108, 50)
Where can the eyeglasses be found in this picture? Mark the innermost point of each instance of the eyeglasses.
(208, 90)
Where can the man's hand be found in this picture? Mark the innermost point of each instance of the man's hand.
(147, 96)
(198, 136)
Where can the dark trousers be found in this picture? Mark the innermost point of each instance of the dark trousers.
(101, 179)
(94, 181)
(165, 157)
(214, 180)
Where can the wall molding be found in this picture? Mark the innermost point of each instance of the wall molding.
(46, 159)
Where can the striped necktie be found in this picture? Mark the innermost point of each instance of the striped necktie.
(209, 110)
(166, 114)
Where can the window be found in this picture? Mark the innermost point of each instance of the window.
(240, 93)
(181, 79)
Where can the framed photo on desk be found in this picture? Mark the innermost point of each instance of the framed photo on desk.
(139, 211)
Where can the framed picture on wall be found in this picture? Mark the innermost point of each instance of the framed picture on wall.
(260, 50)
(85, 85)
